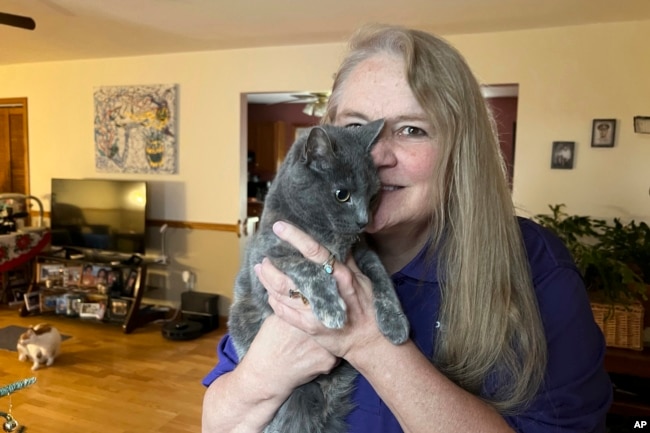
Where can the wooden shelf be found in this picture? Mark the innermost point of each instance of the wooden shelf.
(133, 286)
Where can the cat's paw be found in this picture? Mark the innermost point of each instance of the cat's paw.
(36, 366)
(22, 358)
(393, 323)
(331, 314)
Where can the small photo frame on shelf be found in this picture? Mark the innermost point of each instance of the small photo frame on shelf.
(129, 284)
(102, 276)
(72, 275)
(62, 305)
(18, 294)
(33, 301)
(91, 274)
(114, 280)
(603, 133)
(92, 310)
(48, 271)
(49, 299)
(119, 308)
(563, 154)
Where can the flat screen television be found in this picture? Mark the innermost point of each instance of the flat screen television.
(105, 215)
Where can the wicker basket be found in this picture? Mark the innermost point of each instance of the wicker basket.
(622, 325)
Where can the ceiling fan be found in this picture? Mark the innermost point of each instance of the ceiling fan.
(17, 21)
(316, 102)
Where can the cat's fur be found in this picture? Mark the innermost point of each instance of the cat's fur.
(40, 344)
(327, 163)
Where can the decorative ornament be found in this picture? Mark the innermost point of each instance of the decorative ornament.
(10, 425)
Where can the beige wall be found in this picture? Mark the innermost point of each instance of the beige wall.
(567, 77)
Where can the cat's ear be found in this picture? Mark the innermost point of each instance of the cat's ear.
(318, 146)
(372, 131)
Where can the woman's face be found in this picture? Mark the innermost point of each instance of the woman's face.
(406, 151)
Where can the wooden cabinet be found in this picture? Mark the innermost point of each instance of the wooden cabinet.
(267, 144)
(629, 367)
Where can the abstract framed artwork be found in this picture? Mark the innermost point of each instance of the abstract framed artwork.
(135, 129)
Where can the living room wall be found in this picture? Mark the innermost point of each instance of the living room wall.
(567, 77)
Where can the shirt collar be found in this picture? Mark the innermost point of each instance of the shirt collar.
(422, 267)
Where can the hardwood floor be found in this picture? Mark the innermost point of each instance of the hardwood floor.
(105, 380)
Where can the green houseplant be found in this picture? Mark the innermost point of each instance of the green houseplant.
(613, 257)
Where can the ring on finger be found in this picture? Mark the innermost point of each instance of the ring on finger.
(328, 266)
(294, 294)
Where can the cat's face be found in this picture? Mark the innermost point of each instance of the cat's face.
(338, 176)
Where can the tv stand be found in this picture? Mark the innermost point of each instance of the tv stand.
(121, 301)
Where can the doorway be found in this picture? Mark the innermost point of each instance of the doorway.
(14, 150)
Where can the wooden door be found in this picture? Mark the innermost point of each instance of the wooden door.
(14, 153)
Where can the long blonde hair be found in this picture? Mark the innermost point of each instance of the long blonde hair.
(491, 321)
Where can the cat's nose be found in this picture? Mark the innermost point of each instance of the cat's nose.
(362, 224)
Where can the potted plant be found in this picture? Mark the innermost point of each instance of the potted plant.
(614, 260)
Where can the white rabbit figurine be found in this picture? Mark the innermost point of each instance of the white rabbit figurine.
(40, 344)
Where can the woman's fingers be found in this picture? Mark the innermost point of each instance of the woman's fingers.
(308, 247)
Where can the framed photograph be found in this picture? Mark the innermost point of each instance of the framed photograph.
(47, 271)
(131, 281)
(32, 301)
(72, 275)
(563, 154)
(90, 274)
(119, 308)
(62, 304)
(49, 299)
(18, 294)
(603, 133)
(102, 276)
(92, 310)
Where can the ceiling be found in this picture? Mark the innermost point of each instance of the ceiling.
(83, 29)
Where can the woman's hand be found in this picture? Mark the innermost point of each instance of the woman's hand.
(286, 356)
(355, 290)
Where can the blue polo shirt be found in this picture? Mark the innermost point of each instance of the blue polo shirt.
(576, 392)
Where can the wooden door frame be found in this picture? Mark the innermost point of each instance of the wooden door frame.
(21, 103)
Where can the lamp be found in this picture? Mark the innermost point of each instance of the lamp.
(16, 196)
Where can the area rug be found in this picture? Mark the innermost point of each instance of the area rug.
(9, 337)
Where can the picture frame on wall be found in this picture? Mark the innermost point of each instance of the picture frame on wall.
(603, 133)
(563, 155)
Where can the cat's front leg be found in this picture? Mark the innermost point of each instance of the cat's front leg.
(391, 320)
(318, 288)
(22, 355)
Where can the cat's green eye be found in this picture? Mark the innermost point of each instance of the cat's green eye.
(342, 195)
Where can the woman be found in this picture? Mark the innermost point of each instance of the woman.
(503, 338)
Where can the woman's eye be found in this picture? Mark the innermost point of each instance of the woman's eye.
(412, 130)
(353, 125)
(342, 195)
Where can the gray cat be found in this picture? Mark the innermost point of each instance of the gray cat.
(326, 186)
